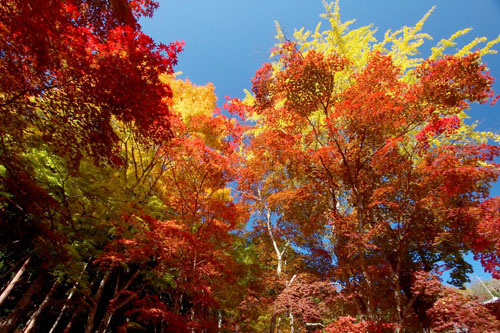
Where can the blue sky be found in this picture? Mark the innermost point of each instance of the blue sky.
(228, 40)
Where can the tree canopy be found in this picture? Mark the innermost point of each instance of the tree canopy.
(331, 199)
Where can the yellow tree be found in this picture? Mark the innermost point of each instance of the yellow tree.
(190, 232)
(148, 237)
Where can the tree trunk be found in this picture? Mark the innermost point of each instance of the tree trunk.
(13, 282)
(106, 319)
(97, 298)
(369, 301)
(272, 326)
(66, 302)
(63, 310)
(113, 304)
(73, 319)
(31, 323)
(16, 315)
(112, 307)
(397, 296)
(192, 317)
(275, 320)
(279, 257)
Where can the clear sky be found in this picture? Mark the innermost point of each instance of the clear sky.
(228, 40)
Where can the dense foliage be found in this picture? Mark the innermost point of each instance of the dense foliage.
(330, 199)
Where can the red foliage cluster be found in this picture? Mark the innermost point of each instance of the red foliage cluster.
(307, 298)
(452, 310)
(85, 62)
(438, 127)
(452, 81)
(488, 245)
(305, 83)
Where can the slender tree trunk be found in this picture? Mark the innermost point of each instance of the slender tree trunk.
(114, 305)
(106, 319)
(110, 310)
(397, 291)
(103, 326)
(14, 267)
(63, 310)
(31, 323)
(290, 314)
(13, 281)
(272, 326)
(368, 281)
(73, 319)
(192, 317)
(15, 316)
(66, 302)
(97, 298)
(397, 296)
(178, 303)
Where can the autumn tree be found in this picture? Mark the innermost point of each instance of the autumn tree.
(70, 69)
(77, 77)
(115, 206)
(148, 242)
(370, 169)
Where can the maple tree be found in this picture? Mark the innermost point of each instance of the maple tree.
(362, 154)
(68, 67)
